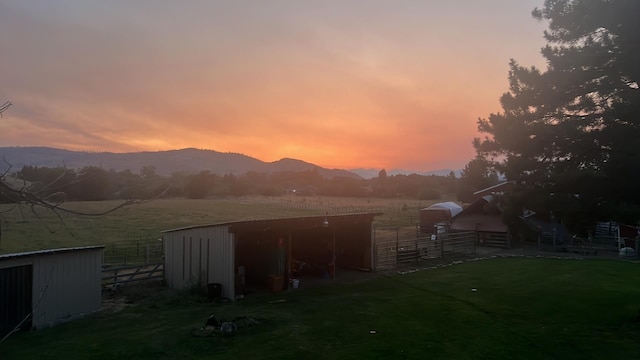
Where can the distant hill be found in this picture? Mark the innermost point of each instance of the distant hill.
(165, 162)
(372, 173)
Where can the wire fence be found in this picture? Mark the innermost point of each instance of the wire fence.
(132, 252)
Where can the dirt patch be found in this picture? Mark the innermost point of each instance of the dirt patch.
(114, 304)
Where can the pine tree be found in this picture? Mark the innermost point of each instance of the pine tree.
(567, 136)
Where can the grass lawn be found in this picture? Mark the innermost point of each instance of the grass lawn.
(524, 308)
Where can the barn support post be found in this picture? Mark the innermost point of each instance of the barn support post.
(371, 241)
(374, 253)
(333, 273)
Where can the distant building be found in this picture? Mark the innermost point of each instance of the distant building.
(483, 217)
(436, 214)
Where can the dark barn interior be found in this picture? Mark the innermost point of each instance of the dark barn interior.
(271, 253)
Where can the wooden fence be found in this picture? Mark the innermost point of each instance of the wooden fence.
(113, 277)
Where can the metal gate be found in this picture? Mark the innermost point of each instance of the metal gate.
(16, 285)
(397, 246)
(385, 240)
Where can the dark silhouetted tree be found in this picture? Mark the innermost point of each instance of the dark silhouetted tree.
(568, 134)
(477, 174)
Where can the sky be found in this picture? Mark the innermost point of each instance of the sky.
(384, 84)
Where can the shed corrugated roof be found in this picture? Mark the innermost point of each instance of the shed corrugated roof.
(453, 208)
(49, 251)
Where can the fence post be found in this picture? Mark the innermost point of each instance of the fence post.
(539, 241)
(441, 244)
(417, 251)
(474, 243)
(397, 247)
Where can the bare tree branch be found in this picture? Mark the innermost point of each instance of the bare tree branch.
(22, 196)
(49, 197)
(4, 107)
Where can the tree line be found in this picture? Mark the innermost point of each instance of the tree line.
(94, 183)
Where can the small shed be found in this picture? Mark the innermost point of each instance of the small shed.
(437, 213)
(267, 253)
(44, 288)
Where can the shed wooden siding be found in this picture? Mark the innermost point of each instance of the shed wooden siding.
(200, 256)
(66, 283)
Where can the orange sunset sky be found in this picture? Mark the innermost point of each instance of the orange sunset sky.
(341, 84)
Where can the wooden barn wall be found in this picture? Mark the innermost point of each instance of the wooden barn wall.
(199, 256)
(66, 285)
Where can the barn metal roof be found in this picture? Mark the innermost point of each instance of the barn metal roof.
(290, 222)
(49, 252)
(491, 189)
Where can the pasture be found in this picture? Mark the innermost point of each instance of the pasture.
(23, 230)
(524, 308)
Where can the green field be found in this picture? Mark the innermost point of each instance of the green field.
(22, 230)
(524, 308)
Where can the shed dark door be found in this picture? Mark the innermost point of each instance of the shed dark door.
(15, 297)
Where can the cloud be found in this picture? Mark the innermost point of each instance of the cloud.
(340, 84)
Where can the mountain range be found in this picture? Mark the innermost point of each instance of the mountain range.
(171, 161)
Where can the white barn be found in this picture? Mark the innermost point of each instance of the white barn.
(49, 287)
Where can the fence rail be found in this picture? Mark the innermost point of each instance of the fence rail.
(601, 245)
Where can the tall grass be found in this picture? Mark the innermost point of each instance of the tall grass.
(25, 231)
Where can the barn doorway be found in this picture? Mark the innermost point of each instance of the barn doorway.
(16, 284)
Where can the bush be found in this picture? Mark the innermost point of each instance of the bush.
(429, 194)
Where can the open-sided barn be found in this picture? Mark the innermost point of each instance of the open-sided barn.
(266, 253)
(44, 288)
